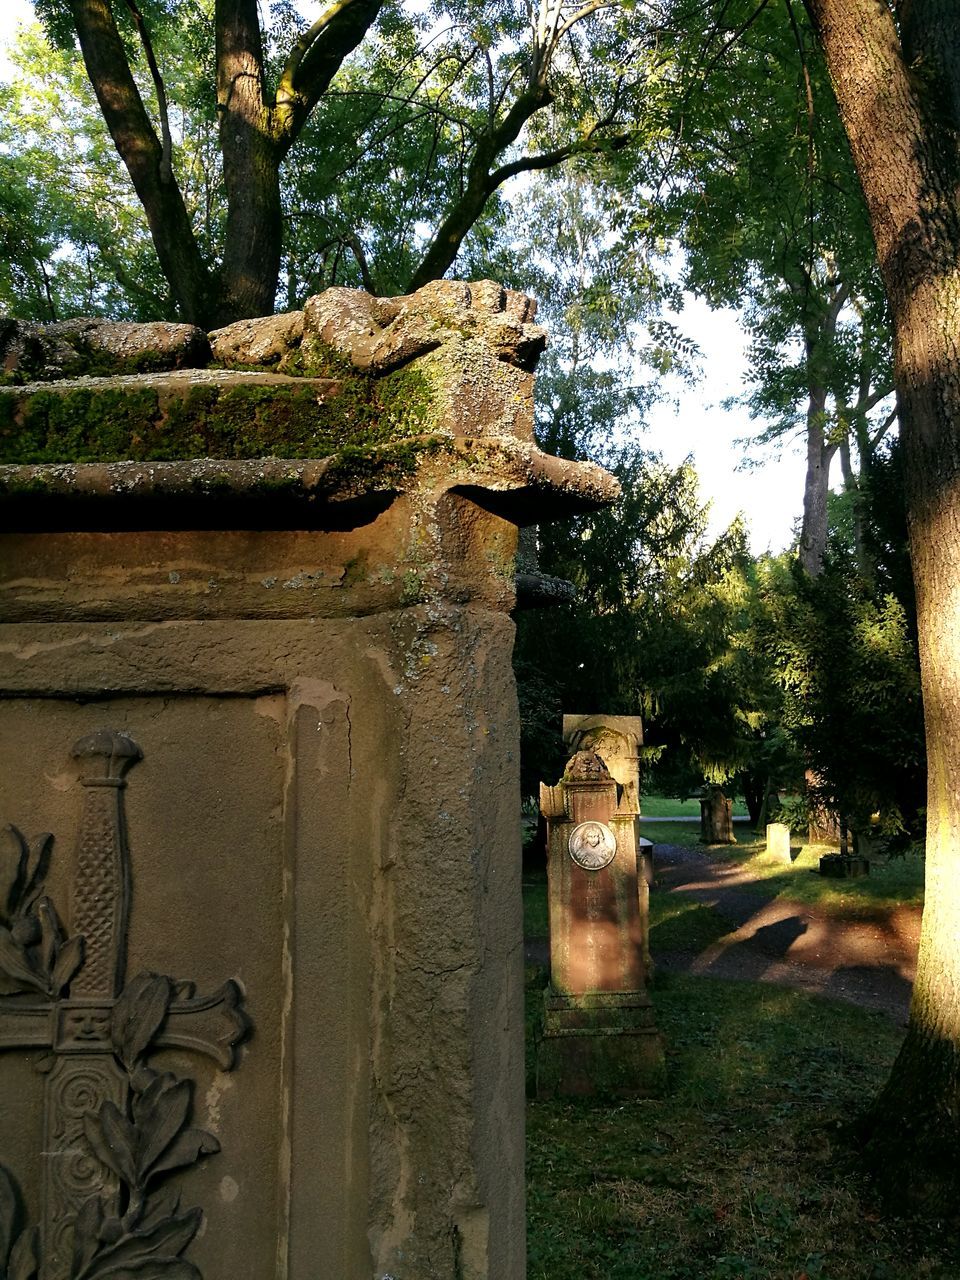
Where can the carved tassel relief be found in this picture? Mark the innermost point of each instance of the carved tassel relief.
(116, 1131)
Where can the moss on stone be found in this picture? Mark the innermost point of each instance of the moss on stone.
(361, 464)
(106, 422)
(80, 425)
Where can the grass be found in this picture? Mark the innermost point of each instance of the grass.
(669, 807)
(740, 1171)
(689, 834)
(891, 882)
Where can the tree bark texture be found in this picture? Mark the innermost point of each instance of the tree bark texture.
(256, 132)
(899, 96)
(813, 529)
(251, 166)
(140, 149)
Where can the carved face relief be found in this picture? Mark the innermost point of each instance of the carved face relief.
(83, 1028)
(592, 846)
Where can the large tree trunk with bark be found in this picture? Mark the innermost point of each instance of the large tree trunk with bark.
(899, 95)
(251, 166)
(257, 130)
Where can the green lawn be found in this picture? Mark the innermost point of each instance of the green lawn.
(688, 833)
(891, 881)
(668, 807)
(741, 1169)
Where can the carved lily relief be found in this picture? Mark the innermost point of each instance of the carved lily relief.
(116, 1129)
(34, 954)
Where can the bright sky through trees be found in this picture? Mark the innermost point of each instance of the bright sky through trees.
(691, 420)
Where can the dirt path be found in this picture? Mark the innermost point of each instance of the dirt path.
(870, 962)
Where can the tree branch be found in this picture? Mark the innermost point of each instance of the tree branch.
(142, 153)
(166, 151)
(315, 59)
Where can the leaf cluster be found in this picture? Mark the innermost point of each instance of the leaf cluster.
(35, 955)
(845, 657)
(137, 1228)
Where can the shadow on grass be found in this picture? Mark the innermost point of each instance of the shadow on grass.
(738, 1170)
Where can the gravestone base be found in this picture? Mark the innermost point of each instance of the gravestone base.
(844, 866)
(602, 1044)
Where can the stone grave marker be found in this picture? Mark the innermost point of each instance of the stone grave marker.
(266, 576)
(716, 816)
(599, 1035)
(778, 841)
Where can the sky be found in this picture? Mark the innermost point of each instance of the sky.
(691, 421)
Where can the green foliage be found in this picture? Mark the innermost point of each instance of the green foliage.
(760, 191)
(402, 162)
(846, 659)
(74, 239)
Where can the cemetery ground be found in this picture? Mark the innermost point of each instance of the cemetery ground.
(747, 1166)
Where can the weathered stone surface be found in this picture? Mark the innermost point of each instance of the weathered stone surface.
(599, 1035)
(618, 740)
(350, 371)
(270, 340)
(198, 414)
(314, 656)
(383, 333)
(716, 817)
(79, 348)
(778, 841)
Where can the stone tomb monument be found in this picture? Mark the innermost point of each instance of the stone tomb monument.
(261, 991)
(599, 1035)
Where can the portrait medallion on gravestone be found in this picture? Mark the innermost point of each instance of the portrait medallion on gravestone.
(592, 846)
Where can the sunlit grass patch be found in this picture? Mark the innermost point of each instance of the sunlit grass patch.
(669, 807)
(688, 835)
(892, 881)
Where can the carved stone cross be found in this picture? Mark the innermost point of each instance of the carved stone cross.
(83, 1072)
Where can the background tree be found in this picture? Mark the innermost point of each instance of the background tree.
(75, 240)
(659, 599)
(453, 102)
(758, 187)
(845, 657)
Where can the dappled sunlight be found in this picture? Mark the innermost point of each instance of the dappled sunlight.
(726, 919)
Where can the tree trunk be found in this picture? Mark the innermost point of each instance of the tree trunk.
(813, 530)
(903, 129)
(142, 153)
(251, 167)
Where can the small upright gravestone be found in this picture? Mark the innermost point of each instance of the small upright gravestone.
(716, 817)
(599, 1035)
(778, 841)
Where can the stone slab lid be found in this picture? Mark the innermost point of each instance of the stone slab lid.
(516, 481)
(319, 418)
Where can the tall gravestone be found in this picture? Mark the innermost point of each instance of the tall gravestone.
(261, 992)
(599, 1034)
